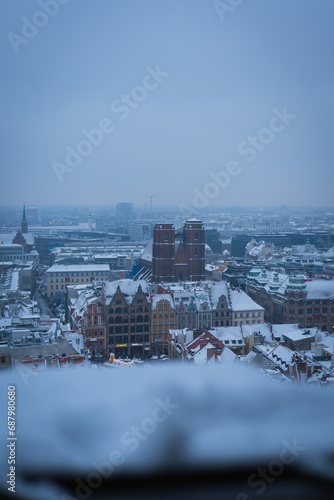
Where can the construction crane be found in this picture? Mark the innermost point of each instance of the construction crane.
(151, 199)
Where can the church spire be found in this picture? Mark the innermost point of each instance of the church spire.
(24, 217)
(24, 223)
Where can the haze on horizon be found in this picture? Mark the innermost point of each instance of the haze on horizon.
(245, 92)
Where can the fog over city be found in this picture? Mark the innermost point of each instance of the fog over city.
(180, 89)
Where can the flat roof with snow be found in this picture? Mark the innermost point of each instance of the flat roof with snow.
(78, 268)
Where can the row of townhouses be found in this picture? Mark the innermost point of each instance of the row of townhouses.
(127, 317)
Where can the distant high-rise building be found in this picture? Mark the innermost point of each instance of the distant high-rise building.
(139, 232)
(32, 212)
(124, 211)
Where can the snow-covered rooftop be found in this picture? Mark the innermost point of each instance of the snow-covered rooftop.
(281, 356)
(147, 253)
(127, 286)
(159, 297)
(243, 302)
(320, 289)
(229, 335)
(301, 334)
(217, 290)
(59, 268)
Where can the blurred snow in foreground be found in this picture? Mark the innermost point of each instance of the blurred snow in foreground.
(69, 422)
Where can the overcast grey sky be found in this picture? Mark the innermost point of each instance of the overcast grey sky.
(182, 90)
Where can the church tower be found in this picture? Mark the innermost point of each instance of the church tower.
(24, 223)
(194, 242)
(163, 253)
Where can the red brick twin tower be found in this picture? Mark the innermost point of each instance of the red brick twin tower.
(178, 257)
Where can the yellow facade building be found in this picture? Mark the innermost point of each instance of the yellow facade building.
(58, 277)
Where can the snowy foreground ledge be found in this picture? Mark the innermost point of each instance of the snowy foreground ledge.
(95, 424)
